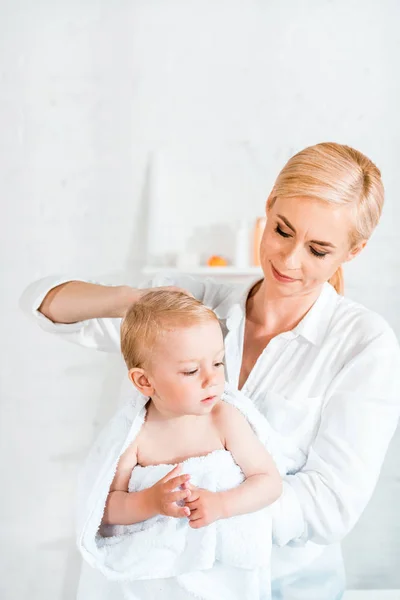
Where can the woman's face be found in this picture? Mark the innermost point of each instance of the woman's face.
(304, 242)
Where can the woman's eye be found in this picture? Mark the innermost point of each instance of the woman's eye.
(318, 254)
(188, 373)
(282, 233)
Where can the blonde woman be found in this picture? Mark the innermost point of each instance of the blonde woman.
(322, 369)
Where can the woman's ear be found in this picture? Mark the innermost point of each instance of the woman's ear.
(141, 381)
(356, 251)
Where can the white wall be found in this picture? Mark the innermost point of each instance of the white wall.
(224, 92)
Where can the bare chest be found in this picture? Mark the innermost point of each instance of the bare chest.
(159, 444)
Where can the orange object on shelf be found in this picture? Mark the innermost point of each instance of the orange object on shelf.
(217, 261)
(258, 233)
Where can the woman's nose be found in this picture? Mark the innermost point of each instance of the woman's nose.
(293, 257)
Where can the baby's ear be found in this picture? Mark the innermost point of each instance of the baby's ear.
(140, 381)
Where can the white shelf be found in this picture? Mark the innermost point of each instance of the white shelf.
(229, 271)
(372, 595)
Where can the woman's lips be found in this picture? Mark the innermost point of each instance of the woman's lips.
(280, 277)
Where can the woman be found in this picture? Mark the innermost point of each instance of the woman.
(323, 369)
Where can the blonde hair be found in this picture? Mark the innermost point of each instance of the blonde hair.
(340, 175)
(152, 315)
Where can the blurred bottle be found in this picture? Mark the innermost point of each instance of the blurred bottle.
(242, 258)
(258, 233)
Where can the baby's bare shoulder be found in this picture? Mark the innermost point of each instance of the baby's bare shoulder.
(128, 458)
(227, 416)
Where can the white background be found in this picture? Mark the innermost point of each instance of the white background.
(105, 105)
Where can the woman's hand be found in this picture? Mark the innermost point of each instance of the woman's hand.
(205, 506)
(164, 495)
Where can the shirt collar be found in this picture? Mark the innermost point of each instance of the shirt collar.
(312, 327)
(315, 323)
(233, 308)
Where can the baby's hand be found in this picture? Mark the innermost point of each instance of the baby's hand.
(205, 506)
(164, 495)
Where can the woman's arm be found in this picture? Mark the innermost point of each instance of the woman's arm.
(53, 295)
(325, 499)
(75, 301)
(88, 313)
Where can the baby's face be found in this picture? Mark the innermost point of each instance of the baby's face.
(187, 369)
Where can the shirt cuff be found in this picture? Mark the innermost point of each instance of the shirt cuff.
(33, 296)
(287, 518)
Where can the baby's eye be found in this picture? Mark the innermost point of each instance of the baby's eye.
(219, 364)
(188, 373)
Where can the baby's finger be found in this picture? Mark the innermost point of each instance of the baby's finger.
(171, 474)
(178, 512)
(197, 524)
(193, 497)
(188, 486)
(177, 496)
(195, 513)
(176, 482)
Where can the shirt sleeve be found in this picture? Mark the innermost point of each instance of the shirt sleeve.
(104, 333)
(324, 500)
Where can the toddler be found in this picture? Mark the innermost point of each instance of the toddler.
(185, 485)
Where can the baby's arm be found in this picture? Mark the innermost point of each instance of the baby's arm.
(262, 486)
(125, 508)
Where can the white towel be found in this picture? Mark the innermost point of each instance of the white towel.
(164, 557)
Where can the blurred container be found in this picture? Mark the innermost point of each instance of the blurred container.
(188, 260)
(243, 249)
(258, 233)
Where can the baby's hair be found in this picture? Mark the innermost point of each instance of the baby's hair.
(152, 315)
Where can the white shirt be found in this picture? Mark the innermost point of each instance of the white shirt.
(330, 389)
